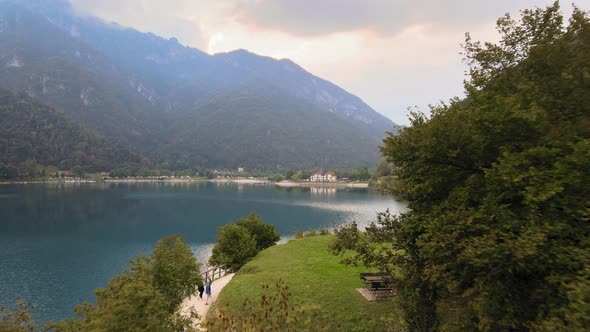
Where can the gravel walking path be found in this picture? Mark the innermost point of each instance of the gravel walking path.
(198, 304)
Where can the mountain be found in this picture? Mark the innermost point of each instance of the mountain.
(143, 91)
(48, 63)
(34, 134)
(274, 121)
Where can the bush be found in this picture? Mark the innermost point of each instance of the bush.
(264, 234)
(17, 320)
(238, 243)
(273, 312)
(235, 247)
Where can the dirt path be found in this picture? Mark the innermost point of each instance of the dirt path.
(199, 304)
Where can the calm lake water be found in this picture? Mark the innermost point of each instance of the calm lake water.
(59, 242)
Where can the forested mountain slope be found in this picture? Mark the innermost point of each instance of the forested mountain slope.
(282, 130)
(34, 136)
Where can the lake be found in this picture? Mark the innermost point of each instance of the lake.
(58, 242)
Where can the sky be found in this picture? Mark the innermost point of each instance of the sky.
(393, 54)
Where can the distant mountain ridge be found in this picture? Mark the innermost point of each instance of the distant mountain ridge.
(141, 90)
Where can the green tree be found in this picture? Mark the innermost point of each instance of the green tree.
(383, 178)
(362, 173)
(77, 170)
(277, 178)
(29, 168)
(8, 172)
(145, 297)
(297, 177)
(290, 174)
(175, 271)
(497, 234)
(264, 234)
(17, 320)
(235, 247)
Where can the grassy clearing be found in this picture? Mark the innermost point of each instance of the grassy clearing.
(323, 290)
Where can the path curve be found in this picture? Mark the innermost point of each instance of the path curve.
(198, 304)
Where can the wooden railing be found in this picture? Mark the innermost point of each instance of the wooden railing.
(214, 273)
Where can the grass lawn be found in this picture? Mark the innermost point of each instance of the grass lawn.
(323, 291)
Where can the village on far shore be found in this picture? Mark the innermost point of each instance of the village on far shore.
(239, 175)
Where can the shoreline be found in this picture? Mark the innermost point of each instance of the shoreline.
(283, 184)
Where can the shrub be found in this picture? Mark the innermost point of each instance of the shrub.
(273, 312)
(17, 320)
(238, 243)
(235, 247)
(264, 234)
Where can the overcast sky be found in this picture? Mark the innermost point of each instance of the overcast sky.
(391, 53)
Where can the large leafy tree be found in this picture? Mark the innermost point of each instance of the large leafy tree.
(145, 297)
(497, 237)
(239, 242)
(175, 271)
(264, 234)
(235, 247)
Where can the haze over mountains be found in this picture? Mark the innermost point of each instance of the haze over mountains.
(179, 106)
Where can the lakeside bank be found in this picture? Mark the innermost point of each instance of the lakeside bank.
(321, 290)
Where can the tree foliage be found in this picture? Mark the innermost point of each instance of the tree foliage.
(175, 270)
(17, 320)
(235, 247)
(497, 236)
(264, 234)
(239, 242)
(34, 136)
(383, 178)
(145, 297)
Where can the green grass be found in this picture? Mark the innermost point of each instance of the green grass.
(323, 291)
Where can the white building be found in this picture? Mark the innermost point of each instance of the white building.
(323, 177)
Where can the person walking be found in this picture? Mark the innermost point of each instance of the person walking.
(208, 292)
(201, 290)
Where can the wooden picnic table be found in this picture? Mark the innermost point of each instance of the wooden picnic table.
(376, 281)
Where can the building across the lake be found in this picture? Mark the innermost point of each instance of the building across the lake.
(323, 177)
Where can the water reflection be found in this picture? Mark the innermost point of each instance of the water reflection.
(323, 191)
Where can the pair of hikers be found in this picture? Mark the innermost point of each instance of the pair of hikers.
(207, 290)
